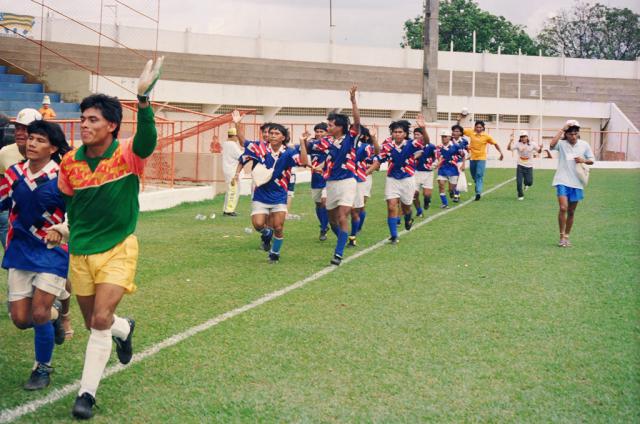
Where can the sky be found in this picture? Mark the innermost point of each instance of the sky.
(362, 22)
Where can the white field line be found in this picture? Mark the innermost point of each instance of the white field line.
(9, 415)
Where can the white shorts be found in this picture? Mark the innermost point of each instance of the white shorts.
(424, 179)
(361, 188)
(452, 179)
(367, 185)
(259, 208)
(341, 193)
(23, 283)
(317, 194)
(403, 189)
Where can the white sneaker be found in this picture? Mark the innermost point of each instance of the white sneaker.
(521, 198)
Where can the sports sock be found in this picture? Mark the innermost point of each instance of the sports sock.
(43, 342)
(267, 233)
(323, 217)
(355, 226)
(363, 215)
(393, 226)
(419, 210)
(443, 197)
(407, 217)
(456, 192)
(427, 201)
(95, 360)
(342, 242)
(120, 327)
(277, 244)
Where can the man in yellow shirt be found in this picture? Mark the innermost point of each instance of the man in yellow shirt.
(478, 140)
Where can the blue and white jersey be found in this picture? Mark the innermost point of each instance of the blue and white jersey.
(318, 156)
(450, 156)
(424, 162)
(341, 156)
(35, 204)
(401, 159)
(364, 157)
(275, 191)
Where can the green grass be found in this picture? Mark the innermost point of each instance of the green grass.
(476, 316)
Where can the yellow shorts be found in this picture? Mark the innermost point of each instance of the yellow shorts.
(115, 266)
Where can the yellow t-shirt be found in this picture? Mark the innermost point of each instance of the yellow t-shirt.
(9, 155)
(47, 113)
(478, 144)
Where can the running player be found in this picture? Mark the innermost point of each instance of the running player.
(424, 167)
(101, 181)
(399, 152)
(318, 183)
(448, 155)
(339, 171)
(368, 147)
(572, 153)
(269, 205)
(37, 275)
(524, 148)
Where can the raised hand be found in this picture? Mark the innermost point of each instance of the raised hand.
(352, 92)
(420, 121)
(235, 116)
(149, 76)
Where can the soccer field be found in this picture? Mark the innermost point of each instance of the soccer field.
(475, 316)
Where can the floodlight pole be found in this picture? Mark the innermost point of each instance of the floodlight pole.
(430, 62)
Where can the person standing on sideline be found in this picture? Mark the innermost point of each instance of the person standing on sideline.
(478, 140)
(46, 110)
(37, 275)
(100, 181)
(524, 148)
(232, 149)
(572, 153)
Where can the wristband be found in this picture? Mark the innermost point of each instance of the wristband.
(143, 98)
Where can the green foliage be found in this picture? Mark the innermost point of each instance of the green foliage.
(459, 18)
(592, 32)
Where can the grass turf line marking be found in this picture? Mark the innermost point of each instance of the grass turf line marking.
(9, 415)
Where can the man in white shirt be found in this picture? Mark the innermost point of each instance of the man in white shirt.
(231, 150)
(572, 153)
(524, 171)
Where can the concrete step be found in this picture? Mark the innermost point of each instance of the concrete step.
(3, 69)
(11, 78)
(18, 105)
(59, 115)
(17, 86)
(27, 96)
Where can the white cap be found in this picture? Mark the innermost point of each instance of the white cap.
(27, 116)
(523, 133)
(46, 100)
(573, 123)
(445, 133)
(464, 111)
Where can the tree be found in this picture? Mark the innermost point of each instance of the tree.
(592, 32)
(458, 20)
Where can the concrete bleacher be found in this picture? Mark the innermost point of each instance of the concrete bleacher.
(316, 75)
(16, 94)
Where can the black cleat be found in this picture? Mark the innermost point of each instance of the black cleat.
(58, 329)
(478, 196)
(124, 348)
(229, 214)
(39, 378)
(337, 260)
(408, 224)
(456, 198)
(352, 241)
(323, 235)
(83, 407)
(274, 258)
(394, 240)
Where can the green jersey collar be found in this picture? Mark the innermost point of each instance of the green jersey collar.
(81, 153)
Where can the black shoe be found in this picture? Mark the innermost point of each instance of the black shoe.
(83, 407)
(456, 198)
(274, 258)
(408, 224)
(124, 348)
(478, 196)
(229, 214)
(323, 235)
(394, 240)
(337, 260)
(444, 206)
(39, 378)
(352, 241)
(58, 329)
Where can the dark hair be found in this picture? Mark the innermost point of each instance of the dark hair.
(419, 130)
(110, 108)
(320, 126)
(365, 134)
(573, 128)
(402, 124)
(265, 126)
(479, 123)
(283, 130)
(459, 127)
(54, 133)
(340, 120)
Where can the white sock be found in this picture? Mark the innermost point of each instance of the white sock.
(120, 327)
(95, 360)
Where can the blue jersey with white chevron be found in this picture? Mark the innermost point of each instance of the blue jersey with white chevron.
(318, 156)
(401, 160)
(426, 159)
(450, 156)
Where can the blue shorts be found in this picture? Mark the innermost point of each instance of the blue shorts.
(571, 193)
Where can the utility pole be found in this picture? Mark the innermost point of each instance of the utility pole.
(430, 62)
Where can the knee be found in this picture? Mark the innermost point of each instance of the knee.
(278, 230)
(101, 320)
(20, 321)
(564, 208)
(40, 315)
